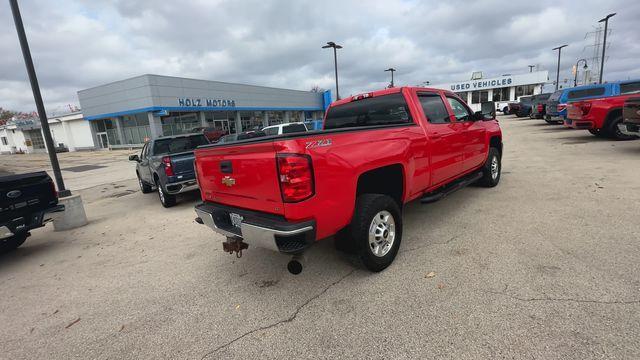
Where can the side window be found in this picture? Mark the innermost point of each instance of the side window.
(628, 88)
(271, 131)
(434, 108)
(459, 110)
(143, 152)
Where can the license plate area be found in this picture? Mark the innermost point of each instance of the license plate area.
(236, 219)
(228, 221)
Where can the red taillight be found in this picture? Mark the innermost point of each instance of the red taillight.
(585, 107)
(561, 107)
(168, 168)
(540, 108)
(295, 174)
(361, 96)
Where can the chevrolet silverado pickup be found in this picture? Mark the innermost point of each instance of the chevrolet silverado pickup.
(27, 201)
(601, 116)
(166, 163)
(376, 152)
(631, 116)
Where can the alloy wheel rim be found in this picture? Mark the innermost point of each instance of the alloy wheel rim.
(495, 168)
(382, 233)
(161, 193)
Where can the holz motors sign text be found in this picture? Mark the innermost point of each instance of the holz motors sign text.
(198, 102)
(481, 84)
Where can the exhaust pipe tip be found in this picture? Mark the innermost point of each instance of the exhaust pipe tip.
(295, 265)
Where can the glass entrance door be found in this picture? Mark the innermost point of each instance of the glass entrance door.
(103, 140)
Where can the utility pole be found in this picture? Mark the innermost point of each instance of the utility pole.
(35, 88)
(335, 46)
(391, 70)
(604, 42)
(559, 48)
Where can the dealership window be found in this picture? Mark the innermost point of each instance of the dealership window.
(37, 141)
(275, 117)
(501, 94)
(108, 128)
(251, 120)
(180, 123)
(136, 128)
(478, 97)
(221, 120)
(524, 90)
(463, 96)
(4, 141)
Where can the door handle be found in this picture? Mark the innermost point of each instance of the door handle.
(435, 135)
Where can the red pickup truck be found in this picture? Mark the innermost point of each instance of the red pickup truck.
(631, 114)
(376, 152)
(601, 116)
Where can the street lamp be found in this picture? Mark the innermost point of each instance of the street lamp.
(335, 47)
(575, 77)
(531, 67)
(604, 42)
(391, 70)
(35, 88)
(559, 48)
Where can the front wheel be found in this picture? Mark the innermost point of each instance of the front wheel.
(376, 229)
(13, 242)
(491, 169)
(614, 132)
(145, 188)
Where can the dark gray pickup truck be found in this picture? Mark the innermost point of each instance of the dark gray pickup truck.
(166, 164)
(27, 201)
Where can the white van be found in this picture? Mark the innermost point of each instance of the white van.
(285, 128)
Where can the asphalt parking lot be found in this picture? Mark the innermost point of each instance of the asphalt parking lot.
(544, 266)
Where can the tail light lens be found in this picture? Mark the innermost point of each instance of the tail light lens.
(561, 107)
(585, 107)
(295, 174)
(168, 168)
(540, 108)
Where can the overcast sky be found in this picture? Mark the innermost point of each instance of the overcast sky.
(80, 44)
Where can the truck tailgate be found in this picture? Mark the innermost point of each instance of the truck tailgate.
(23, 194)
(242, 176)
(182, 163)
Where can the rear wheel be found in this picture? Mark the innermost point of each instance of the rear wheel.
(614, 132)
(167, 200)
(596, 132)
(145, 188)
(376, 229)
(491, 169)
(13, 242)
(505, 110)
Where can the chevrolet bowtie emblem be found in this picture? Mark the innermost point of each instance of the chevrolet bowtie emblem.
(229, 181)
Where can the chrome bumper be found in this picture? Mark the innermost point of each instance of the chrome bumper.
(5, 232)
(625, 130)
(181, 187)
(282, 237)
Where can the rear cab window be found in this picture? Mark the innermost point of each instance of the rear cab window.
(294, 128)
(389, 109)
(584, 93)
(178, 145)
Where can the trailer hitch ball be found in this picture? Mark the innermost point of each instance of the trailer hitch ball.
(296, 264)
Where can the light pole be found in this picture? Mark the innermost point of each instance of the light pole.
(531, 67)
(391, 70)
(335, 47)
(605, 20)
(575, 76)
(559, 48)
(35, 88)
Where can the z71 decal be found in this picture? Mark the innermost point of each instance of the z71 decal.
(318, 143)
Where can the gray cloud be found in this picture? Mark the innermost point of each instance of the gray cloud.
(78, 44)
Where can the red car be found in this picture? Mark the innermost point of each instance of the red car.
(212, 134)
(601, 116)
(376, 152)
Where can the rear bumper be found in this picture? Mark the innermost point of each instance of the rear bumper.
(629, 129)
(258, 229)
(554, 118)
(26, 223)
(578, 124)
(181, 187)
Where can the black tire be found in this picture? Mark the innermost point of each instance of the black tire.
(505, 110)
(144, 187)
(489, 178)
(167, 200)
(370, 207)
(596, 132)
(614, 132)
(13, 242)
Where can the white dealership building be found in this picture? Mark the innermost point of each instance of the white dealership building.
(501, 89)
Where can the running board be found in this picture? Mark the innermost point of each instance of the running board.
(450, 188)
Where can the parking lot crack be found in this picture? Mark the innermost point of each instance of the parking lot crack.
(588, 301)
(284, 321)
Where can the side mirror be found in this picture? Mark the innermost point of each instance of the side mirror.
(134, 158)
(488, 110)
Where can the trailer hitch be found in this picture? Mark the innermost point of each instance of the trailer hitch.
(234, 245)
